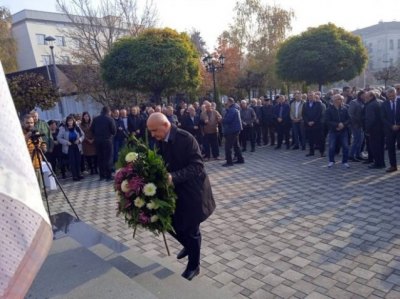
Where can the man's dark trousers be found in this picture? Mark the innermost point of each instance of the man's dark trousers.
(232, 140)
(190, 238)
(104, 151)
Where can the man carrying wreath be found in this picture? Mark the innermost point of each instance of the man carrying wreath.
(195, 202)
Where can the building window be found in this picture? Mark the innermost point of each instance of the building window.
(391, 45)
(65, 60)
(40, 39)
(60, 41)
(46, 59)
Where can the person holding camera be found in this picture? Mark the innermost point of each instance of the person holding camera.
(32, 138)
(71, 137)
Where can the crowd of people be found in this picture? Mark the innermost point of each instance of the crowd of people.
(350, 121)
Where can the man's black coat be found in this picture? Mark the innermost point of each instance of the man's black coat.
(182, 156)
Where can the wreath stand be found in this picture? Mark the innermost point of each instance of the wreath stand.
(165, 240)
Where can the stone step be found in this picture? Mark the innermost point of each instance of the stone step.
(160, 276)
(85, 263)
(73, 271)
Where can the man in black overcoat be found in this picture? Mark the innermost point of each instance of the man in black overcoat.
(195, 202)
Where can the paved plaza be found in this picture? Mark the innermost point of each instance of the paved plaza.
(285, 226)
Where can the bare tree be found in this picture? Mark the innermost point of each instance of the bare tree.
(96, 28)
(388, 74)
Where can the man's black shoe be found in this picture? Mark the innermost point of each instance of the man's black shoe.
(367, 162)
(277, 147)
(227, 164)
(183, 253)
(239, 162)
(253, 150)
(391, 169)
(354, 160)
(101, 178)
(295, 148)
(189, 274)
(309, 155)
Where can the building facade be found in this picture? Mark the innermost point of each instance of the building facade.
(383, 43)
(30, 28)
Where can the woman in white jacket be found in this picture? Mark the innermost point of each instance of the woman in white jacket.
(71, 137)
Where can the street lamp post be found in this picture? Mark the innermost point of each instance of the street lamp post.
(50, 40)
(212, 66)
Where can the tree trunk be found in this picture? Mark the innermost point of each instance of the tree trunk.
(320, 86)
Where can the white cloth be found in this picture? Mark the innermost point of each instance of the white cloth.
(25, 234)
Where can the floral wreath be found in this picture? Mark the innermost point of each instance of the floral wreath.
(144, 196)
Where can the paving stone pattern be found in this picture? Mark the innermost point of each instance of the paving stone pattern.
(285, 226)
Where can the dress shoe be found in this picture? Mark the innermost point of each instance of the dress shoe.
(253, 150)
(80, 177)
(322, 155)
(295, 148)
(243, 149)
(277, 147)
(189, 274)
(239, 162)
(75, 179)
(227, 164)
(310, 154)
(367, 162)
(354, 160)
(183, 253)
(391, 169)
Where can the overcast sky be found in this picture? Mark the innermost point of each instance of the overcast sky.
(211, 17)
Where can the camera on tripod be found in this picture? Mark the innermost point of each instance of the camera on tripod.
(35, 136)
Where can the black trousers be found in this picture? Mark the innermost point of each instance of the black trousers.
(315, 138)
(104, 151)
(268, 130)
(283, 132)
(391, 138)
(190, 238)
(257, 133)
(210, 142)
(232, 141)
(247, 134)
(377, 145)
(74, 158)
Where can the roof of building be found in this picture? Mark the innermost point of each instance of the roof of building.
(379, 28)
(28, 14)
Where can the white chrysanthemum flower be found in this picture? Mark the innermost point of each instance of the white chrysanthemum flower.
(125, 186)
(139, 202)
(154, 218)
(152, 205)
(131, 157)
(128, 216)
(149, 189)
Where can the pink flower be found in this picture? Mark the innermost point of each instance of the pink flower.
(136, 184)
(122, 173)
(143, 218)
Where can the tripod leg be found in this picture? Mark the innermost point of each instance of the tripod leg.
(36, 154)
(58, 183)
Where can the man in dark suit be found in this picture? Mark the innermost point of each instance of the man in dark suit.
(191, 123)
(282, 121)
(391, 125)
(312, 116)
(103, 129)
(195, 202)
(374, 129)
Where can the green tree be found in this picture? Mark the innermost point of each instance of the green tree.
(8, 45)
(30, 90)
(321, 55)
(158, 61)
